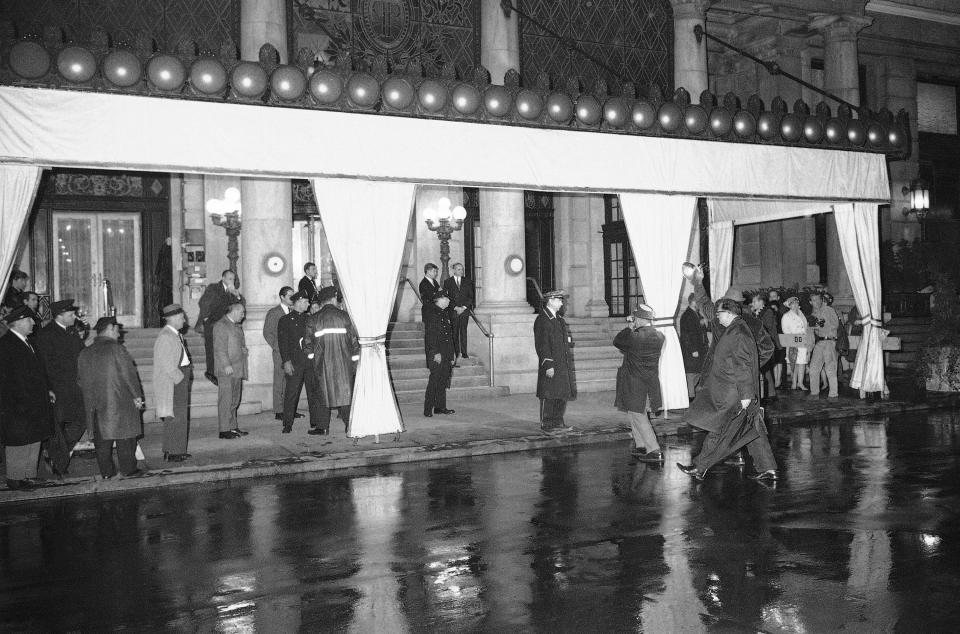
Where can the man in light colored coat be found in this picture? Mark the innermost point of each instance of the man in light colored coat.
(172, 372)
(271, 323)
(113, 399)
(230, 361)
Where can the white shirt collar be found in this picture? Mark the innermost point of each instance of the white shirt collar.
(22, 338)
(284, 308)
(173, 329)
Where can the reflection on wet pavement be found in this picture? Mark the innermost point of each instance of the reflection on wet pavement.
(862, 533)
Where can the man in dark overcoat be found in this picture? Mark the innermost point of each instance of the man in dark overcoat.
(428, 287)
(461, 291)
(308, 283)
(296, 366)
(214, 304)
(693, 343)
(638, 380)
(438, 347)
(13, 298)
(555, 379)
(59, 345)
(26, 417)
(113, 398)
(726, 406)
(336, 351)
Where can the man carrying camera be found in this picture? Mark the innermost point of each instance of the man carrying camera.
(825, 323)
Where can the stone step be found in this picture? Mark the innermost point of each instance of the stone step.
(597, 364)
(457, 381)
(597, 352)
(597, 385)
(455, 393)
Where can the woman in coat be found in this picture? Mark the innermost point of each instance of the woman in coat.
(113, 398)
(726, 405)
(794, 322)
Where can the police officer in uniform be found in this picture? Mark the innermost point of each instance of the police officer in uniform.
(438, 346)
(555, 381)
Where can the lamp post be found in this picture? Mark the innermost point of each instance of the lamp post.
(444, 221)
(225, 212)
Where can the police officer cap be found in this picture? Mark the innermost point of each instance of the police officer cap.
(327, 293)
(18, 313)
(558, 293)
(296, 297)
(62, 306)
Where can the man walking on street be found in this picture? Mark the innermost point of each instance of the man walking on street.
(824, 356)
(555, 381)
(214, 303)
(113, 397)
(296, 365)
(638, 380)
(336, 351)
(461, 292)
(172, 374)
(271, 323)
(230, 351)
(59, 346)
(438, 346)
(26, 417)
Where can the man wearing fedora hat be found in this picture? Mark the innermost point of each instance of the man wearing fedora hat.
(59, 345)
(638, 379)
(26, 418)
(172, 373)
(113, 398)
(555, 381)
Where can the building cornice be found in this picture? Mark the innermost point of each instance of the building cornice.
(889, 7)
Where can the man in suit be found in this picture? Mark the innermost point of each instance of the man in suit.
(428, 287)
(308, 283)
(270, 333)
(172, 373)
(59, 345)
(438, 346)
(555, 381)
(291, 332)
(693, 343)
(230, 352)
(14, 296)
(214, 303)
(461, 292)
(113, 398)
(26, 418)
(336, 351)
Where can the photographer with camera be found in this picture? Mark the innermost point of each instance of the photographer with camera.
(825, 323)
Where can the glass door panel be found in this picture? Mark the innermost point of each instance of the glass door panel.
(73, 270)
(93, 249)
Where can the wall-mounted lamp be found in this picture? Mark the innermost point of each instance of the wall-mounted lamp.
(919, 192)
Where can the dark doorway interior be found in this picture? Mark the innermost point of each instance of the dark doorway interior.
(538, 219)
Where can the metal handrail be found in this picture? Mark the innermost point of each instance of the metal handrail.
(536, 287)
(483, 329)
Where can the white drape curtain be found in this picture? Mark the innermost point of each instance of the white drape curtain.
(857, 227)
(659, 230)
(721, 258)
(366, 224)
(18, 187)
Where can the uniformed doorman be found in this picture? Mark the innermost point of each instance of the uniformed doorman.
(555, 380)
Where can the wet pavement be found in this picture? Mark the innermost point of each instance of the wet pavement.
(862, 533)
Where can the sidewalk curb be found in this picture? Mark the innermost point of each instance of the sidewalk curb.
(317, 462)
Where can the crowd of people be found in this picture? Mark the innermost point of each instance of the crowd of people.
(59, 380)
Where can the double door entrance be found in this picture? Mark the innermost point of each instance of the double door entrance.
(97, 262)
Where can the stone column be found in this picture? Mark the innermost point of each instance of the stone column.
(503, 302)
(841, 76)
(901, 88)
(689, 56)
(597, 302)
(267, 213)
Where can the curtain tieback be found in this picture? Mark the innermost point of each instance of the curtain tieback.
(662, 322)
(870, 320)
(367, 342)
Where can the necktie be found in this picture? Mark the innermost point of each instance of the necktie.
(183, 347)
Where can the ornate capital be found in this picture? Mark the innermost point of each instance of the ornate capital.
(839, 27)
(685, 9)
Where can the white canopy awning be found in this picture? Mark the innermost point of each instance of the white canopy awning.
(99, 130)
